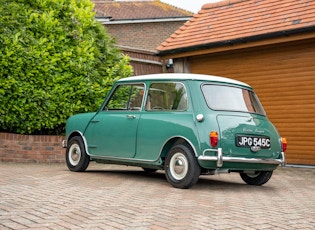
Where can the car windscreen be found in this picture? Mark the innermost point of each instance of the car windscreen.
(222, 97)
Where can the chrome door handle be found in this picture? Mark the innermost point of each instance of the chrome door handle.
(131, 116)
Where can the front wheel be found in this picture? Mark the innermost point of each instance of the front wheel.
(181, 167)
(76, 158)
(256, 178)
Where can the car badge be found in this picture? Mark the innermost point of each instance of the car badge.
(255, 149)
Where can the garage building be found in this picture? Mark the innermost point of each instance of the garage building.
(268, 44)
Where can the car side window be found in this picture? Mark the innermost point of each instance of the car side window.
(167, 96)
(126, 97)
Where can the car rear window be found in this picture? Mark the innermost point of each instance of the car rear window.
(221, 97)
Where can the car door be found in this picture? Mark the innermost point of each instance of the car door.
(166, 116)
(112, 132)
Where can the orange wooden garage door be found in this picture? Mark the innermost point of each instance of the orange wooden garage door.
(284, 79)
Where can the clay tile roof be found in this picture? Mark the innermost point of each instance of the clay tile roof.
(231, 20)
(145, 9)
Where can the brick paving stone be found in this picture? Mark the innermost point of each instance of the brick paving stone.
(49, 196)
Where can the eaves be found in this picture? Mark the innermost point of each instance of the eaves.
(108, 21)
(286, 35)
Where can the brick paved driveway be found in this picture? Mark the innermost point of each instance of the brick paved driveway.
(41, 196)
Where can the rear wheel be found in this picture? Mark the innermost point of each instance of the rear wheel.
(76, 158)
(181, 167)
(256, 178)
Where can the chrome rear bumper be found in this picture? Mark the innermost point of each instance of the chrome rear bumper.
(220, 159)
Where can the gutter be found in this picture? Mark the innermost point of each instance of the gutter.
(143, 20)
(146, 61)
(284, 33)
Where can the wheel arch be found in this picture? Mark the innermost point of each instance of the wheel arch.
(174, 141)
(77, 133)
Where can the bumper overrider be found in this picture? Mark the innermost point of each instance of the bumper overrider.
(64, 144)
(219, 158)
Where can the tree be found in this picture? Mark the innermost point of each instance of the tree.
(55, 61)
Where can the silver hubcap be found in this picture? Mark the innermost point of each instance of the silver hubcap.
(179, 166)
(253, 175)
(74, 154)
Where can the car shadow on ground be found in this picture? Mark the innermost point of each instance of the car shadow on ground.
(211, 182)
(136, 174)
(226, 184)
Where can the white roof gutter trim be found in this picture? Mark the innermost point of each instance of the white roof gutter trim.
(145, 61)
(130, 21)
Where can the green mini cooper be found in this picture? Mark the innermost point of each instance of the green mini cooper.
(185, 124)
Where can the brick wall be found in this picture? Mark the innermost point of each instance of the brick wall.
(146, 36)
(31, 148)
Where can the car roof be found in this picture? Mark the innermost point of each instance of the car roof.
(183, 76)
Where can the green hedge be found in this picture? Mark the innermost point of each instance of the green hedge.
(55, 61)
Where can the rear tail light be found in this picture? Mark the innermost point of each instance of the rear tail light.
(284, 144)
(214, 138)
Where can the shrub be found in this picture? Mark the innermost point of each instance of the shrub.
(55, 61)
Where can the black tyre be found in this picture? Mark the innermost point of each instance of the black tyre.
(181, 167)
(257, 178)
(76, 158)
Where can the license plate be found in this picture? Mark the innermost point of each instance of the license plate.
(250, 141)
